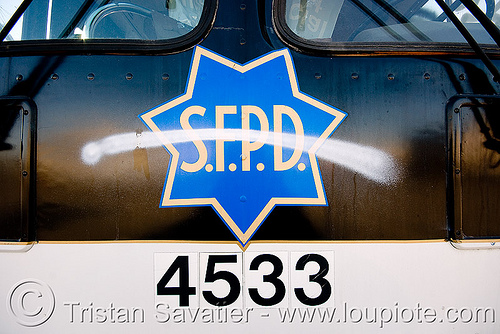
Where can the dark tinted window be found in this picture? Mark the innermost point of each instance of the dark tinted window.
(104, 19)
(382, 20)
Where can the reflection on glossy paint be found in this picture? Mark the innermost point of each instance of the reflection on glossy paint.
(372, 163)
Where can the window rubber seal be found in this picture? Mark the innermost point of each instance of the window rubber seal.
(328, 48)
(116, 46)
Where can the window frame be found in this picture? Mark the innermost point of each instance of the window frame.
(329, 49)
(116, 46)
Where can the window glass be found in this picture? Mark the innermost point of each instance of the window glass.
(7, 8)
(104, 19)
(385, 20)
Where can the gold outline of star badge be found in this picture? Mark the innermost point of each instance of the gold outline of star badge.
(242, 236)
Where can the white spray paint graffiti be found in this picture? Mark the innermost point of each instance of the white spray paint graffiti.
(372, 163)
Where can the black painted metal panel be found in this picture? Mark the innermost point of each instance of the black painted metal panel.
(18, 115)
(397, 110)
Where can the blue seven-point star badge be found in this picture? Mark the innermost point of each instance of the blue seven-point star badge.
(242, 139)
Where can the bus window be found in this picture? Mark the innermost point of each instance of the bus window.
(105, 19)
(312, 19)
(7, 8)
(376, 21)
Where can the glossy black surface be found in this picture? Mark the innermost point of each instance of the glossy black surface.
(396, 105)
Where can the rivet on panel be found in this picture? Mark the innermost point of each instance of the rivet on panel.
(390, 76)
(25, 173)
(54, 76)
(243, 41)
(317, 75)
(19, 77)
(461, 77)
(427, 76)
(91, 76)
(243, 6)
(129, 76)
(354, 76)
(165, 76)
